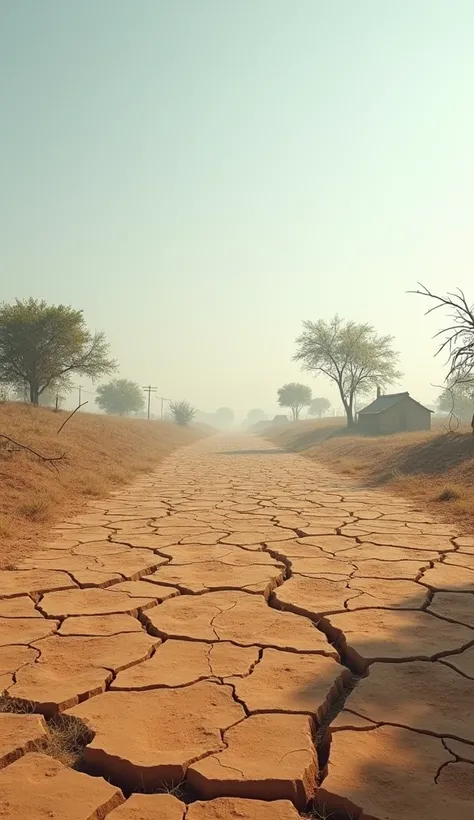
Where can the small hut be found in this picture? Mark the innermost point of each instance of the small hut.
(393, 413)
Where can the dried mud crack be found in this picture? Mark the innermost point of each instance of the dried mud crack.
(275, 640)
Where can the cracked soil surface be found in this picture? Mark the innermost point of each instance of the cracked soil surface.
(241, 634)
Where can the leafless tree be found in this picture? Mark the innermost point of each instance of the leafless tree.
(457, 340)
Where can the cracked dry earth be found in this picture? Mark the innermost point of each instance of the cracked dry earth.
(272, 638)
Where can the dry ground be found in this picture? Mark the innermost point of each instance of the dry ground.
(244, 625)
(436, 467)
(102, 453)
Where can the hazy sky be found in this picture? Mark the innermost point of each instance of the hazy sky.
(199, 176)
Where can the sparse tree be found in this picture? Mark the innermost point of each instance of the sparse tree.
(120, 396)
(52, 396)
(224, 417)
(295, 396)
(457, 339)
(350, 354)
(255, 415)
(182, 412)
(43, 345)
(319, 407)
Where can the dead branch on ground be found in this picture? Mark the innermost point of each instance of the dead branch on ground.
(18, 447)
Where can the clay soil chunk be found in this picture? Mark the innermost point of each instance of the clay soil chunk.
(99, 625)
(367, 552)
(32, 581)
(378, 634)
(19, 734)
(12, 658)
(231, 808)
(465, 542)
(92, 602)
(268, 757)
(320, 566)
(313, 597)
(146, 739)
(418, 695)
(177, 663)
(98, 549)
(296, 548)
(321, 527)
(412, 540)
(224, 553)
(392, 773)
(460, 559)
(464, 663)
(149, 807)
(130, 565)
(449, 578)
(386, 594)
(234, 616)
(140, 589)
(251, 539)
(454, 606)
(213, 575)
(37, 787)
(329, 544)
(400, 570)
(71, 669)
(149, 541)
(25, 630)
(291, 682)
(21, 607)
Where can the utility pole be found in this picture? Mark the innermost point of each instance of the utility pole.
(79, 387)
(149, 390)
(162, 400)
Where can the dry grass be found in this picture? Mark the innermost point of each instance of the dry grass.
(434, 467)
(103, 453)
(66, 735)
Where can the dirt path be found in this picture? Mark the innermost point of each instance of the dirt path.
(249, 626)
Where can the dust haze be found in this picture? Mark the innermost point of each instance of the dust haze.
(201, 179)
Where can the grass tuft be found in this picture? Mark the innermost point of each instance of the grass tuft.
(67, 735)
(448, 494)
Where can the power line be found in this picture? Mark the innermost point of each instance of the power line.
(149, 390)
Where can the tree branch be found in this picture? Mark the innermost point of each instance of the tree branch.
(71, 415)
(51, 460)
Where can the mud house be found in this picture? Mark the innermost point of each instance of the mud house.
(393, 413)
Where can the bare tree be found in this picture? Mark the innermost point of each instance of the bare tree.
(457, 339)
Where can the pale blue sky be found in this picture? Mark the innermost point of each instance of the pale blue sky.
(202, 175)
